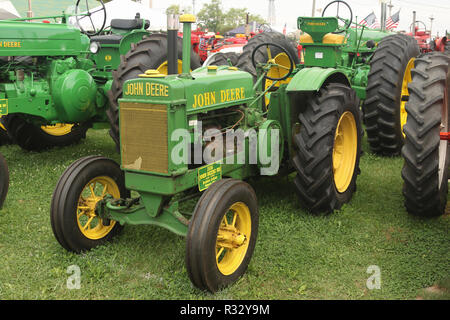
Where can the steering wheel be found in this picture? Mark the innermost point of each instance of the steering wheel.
(264, 28)
(283, 70)
(347, 22)
(80, 16)
(411, 26)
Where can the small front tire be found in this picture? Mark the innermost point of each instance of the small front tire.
(74, 222)
(222, 234)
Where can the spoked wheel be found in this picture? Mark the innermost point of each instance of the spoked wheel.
(75, 223)
(222, 234)
(344, 20)
(4, 180)
(426, 154)
(328, 149)
(261, 55)
(84, 13)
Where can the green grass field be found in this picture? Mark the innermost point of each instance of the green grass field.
(297, 255)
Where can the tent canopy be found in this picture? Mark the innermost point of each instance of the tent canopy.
(7, 10)
(126, 9)
(241, 29)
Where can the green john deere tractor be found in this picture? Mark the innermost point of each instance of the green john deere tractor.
(190, 141)
(57, 80)
(377, 64)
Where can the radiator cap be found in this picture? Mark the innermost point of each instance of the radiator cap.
(152, 73)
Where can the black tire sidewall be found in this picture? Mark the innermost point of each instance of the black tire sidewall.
(4, 180)
(70, 193)
(208, 217)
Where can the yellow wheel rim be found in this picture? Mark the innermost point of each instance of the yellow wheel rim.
(233, 238)
(163, 68)
(405, 93)
(277, 72)
(95, 190)
(344, 151)
(60, 129)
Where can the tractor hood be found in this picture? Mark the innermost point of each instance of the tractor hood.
(41, 39)
(209, 88)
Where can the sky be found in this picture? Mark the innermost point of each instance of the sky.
(287, 11)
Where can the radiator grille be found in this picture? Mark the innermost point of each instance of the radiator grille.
(143, 134)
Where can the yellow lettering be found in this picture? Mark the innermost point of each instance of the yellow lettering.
(152, 89)
(195, 101)
(201, 102)
(228, 95)
(242, 93)
(238, 96)
(207, 101)
(232, 94)
(213, 97)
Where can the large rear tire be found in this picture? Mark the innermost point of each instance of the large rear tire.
(427, 158)
(4, 136)
(31, 137)
(387, 93)
(328, 149)
(224, 59)
(4, 180)
(149, 53)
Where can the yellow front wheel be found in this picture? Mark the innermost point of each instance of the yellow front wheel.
(75, 222)
(222, 234)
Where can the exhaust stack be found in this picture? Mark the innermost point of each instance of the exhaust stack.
(187, 20)
(172, 37)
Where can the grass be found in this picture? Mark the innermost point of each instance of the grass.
(297, 255)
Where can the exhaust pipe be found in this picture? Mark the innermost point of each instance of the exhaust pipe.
(187, 20)
(172, 36)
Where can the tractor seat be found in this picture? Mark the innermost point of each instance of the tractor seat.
(129, 24)
(107, 39)
(329, 38)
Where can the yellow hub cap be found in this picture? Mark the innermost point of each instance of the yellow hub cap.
(163, 68)
(233, 238)
(60, 129)
(344, 151)
(95, 190)
(405, 93)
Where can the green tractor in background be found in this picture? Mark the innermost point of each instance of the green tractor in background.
(56, 80)
(376, 63)
(190, 141)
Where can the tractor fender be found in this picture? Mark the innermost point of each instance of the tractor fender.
(312, 79)
(132, 37)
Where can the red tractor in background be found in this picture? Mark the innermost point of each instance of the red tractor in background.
(206, 43)
(423, 37)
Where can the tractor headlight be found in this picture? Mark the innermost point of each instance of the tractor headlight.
(94, 47)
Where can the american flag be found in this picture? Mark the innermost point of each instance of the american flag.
(370, 21)
(393, 20)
